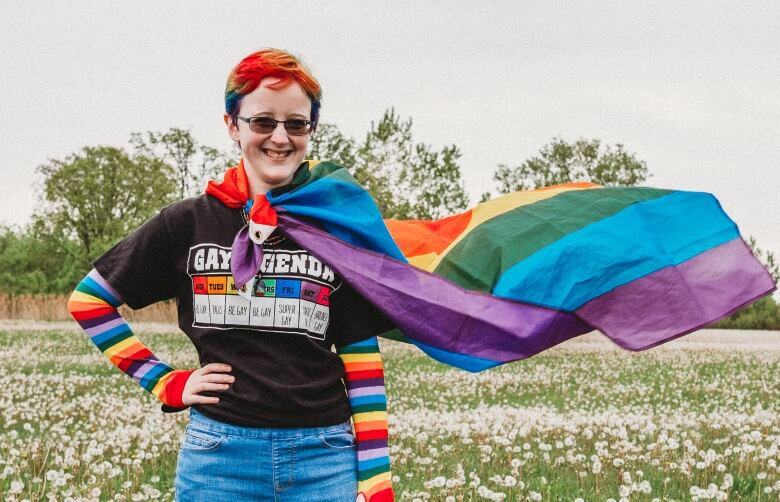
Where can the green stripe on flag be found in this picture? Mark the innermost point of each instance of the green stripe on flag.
(496, 245)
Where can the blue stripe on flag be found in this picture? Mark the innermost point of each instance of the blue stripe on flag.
(637, 241)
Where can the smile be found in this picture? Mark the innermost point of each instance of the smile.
(275, 154)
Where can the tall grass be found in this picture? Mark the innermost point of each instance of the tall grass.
(55, 308)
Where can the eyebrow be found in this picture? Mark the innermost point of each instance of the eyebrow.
(270, 114)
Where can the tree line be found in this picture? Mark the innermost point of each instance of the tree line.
(92, 198)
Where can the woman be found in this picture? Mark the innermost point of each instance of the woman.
(269, 417)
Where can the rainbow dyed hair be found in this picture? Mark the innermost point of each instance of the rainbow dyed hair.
(246, 76)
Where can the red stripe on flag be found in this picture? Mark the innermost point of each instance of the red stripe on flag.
(370, 435)
(129, 359)
(362, 375)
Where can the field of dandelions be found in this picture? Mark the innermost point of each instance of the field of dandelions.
(696, 419)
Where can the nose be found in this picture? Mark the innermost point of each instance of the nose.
(279, 136)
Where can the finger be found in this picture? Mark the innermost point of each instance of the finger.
(195, 399)
(218, 378)
(206, 386)
(215, 368)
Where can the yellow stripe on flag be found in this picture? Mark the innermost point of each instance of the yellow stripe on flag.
(370, 416)
(119, 347)
(360, 358)
(80, 296)
(500, 205)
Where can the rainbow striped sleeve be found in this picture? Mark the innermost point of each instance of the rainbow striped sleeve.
(93, 304)
(365, 381)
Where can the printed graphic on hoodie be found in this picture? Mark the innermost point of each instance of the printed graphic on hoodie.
(291, 296)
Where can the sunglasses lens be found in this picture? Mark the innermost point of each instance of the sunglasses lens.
(267, 125)
(297, 127)
(262, 125)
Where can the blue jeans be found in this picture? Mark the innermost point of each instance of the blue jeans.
(220, 461)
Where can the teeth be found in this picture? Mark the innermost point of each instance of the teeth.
(276, 155)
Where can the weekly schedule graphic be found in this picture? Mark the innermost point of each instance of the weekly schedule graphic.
(291, 296)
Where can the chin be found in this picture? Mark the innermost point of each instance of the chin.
(277, 178)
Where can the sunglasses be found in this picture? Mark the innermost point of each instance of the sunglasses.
(267, 125)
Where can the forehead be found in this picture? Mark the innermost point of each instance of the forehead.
(290, 100)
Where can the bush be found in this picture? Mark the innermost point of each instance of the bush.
(762, 314)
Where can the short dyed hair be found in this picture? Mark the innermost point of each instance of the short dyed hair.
(246, 76)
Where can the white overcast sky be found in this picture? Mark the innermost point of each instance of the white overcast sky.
(692, 88)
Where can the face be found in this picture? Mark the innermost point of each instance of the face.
(271, 159)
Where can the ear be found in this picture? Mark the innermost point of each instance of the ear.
(232, 128)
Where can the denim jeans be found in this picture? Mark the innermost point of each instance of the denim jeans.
(220, 461)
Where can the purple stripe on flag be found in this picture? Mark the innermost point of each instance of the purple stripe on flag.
(101, 328)
(245, 258)
(432, 310)
(366, 382)
(137, 364)
(674, 301)
(97, 321)
(366, 391)
(375, 453)
(372, 444)
(145, 368)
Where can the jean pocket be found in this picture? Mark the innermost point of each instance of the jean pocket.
(338, 439)
(201, 440)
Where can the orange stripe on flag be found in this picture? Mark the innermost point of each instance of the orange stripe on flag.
(372, 425)
(418, 237)
(573, 184)
(128, 352)
(384, 485)
(131, 355)
(371, 365)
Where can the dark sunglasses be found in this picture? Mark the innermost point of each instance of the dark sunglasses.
(267, 125)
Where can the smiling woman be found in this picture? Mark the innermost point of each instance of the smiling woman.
(271, 402)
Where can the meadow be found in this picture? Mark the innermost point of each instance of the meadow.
(695, 419)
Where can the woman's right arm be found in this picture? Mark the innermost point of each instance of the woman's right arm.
(94, 303)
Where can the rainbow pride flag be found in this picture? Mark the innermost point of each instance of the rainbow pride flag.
(526, 271)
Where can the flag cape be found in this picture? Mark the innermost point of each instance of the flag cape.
(523, 272)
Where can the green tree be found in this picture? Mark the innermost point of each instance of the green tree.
(192, 164)
(767, 258)
(764, 313)
(328, 143)
(408, 180)
(761, 314)
(18, 272)
(562, 162)
(30, 264)
(99, 195)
